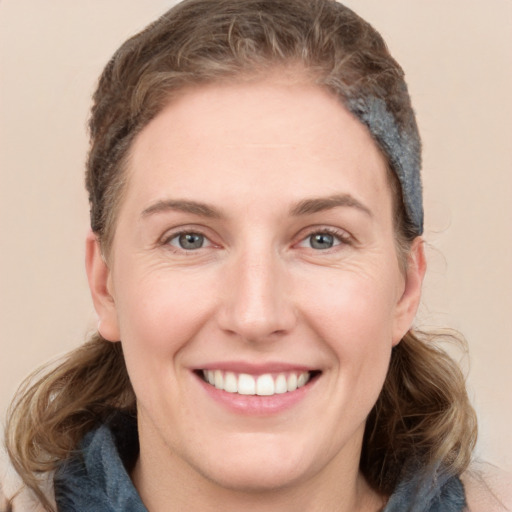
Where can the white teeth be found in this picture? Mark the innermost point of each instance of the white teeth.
(265, 385)
(246, 384)
(291, 382)
(219, 380)
(281, 386)
(262, 385)
(230, 383)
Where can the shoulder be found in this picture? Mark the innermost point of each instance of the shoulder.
(488, 488)
(14, 496)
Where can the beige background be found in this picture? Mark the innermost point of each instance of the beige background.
(458, 58)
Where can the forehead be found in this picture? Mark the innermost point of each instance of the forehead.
(296, 139)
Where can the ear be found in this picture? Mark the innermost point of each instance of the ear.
(99, 277)
(409, 301)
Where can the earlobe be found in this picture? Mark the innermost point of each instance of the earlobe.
(98, 275)
(410, 299)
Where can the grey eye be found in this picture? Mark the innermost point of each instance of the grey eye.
(322, 241)
(189, 241)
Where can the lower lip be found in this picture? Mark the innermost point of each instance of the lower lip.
(256, 405)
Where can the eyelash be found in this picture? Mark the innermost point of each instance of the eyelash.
(166, 241)
(341, 236)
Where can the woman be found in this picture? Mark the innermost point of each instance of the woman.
(256, 261)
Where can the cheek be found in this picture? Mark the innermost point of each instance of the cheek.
(354, 318)
(364, 341)
(158, 314)
(356, 306)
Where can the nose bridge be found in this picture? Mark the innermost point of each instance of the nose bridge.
(257, 303)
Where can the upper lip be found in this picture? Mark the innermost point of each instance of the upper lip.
(256, 368)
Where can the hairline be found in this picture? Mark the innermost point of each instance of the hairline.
(289, 72)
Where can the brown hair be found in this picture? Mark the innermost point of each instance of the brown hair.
(423, 412)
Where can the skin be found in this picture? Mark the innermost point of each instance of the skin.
(256, 292)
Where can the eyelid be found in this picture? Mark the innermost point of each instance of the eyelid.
(206, 241)
(344, 237)
(341, 235)
(172, 233)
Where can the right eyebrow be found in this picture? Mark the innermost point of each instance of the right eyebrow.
(319, 204)
(195, 207)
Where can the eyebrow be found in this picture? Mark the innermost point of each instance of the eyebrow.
(319, 204)
(181, 205)
(304, 207)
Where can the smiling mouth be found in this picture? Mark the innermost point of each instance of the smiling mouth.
(267, 384)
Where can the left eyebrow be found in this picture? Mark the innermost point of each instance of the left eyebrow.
(319, 204)
(194, 207)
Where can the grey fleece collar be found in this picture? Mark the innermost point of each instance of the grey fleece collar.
(95, 478)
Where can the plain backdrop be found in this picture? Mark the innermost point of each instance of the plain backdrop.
(457, 55)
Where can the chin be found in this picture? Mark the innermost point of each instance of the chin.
(251, 478)
(256, 469)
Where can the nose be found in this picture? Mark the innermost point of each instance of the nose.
(256, 304)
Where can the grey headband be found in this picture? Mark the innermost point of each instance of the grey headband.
(401, 145)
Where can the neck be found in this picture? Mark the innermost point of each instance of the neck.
(166, 482)
(358, 498)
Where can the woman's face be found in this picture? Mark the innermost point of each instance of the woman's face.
(255, 248)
